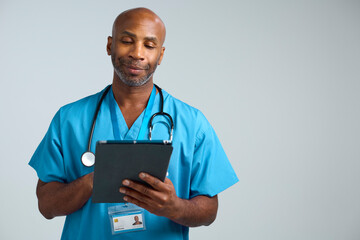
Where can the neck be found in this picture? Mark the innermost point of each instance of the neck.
(127, 96)
(131, 100)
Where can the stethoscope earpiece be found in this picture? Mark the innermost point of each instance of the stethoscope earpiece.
(151, 126)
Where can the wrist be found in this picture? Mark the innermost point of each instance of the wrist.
(88, 180)
(179, 210)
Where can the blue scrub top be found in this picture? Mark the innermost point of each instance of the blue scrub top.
(198, 165)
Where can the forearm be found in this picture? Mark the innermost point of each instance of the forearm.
(162, 200)
(198, 211)
(59, 199)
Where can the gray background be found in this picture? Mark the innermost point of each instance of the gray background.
(278, 80)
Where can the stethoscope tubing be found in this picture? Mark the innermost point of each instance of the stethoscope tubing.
(95, 117)
(88, 157)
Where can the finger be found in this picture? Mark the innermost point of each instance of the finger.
(144, 190)
(137, 196)
(138, 203)
(153, 181)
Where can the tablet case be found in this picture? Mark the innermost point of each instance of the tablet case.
(117, 160)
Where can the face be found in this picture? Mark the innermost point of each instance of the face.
(136, 49)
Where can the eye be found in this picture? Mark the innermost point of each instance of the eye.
(126, 40)
(150, 45)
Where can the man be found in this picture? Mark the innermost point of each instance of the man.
(137, 222)
(198, 169)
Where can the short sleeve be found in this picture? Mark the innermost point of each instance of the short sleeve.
(48, 159)
(211, 172)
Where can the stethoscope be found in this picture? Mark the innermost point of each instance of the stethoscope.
(88, 157)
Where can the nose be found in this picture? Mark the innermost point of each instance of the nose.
(137, 52)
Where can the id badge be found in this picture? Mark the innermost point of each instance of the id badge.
(126, 218)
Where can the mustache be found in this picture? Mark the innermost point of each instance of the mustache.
(133, 63)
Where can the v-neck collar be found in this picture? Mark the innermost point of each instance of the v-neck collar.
(120, 128)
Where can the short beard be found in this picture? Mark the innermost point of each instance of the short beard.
(132, 81)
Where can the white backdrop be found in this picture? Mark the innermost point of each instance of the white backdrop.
(278, 80)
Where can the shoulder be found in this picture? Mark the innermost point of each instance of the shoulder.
(186, 114)
(83, 106)
(178, 105)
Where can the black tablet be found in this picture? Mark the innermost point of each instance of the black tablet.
(119, 160)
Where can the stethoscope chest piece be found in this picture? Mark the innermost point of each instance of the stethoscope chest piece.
(88, 159)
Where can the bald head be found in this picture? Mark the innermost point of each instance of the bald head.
(136, 47)
(139, 16)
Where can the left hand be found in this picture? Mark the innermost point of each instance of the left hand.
(161, 200)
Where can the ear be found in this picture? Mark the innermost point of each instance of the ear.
(161, 55)
(108, 45)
